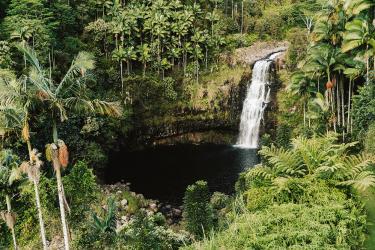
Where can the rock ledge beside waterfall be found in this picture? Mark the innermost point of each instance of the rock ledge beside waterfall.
(258, 51)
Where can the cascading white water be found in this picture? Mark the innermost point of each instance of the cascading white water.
(258, 96)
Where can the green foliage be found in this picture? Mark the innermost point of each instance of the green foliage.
(219, 200)
(81, 190)
(198, 213)
(265, 140)
(8, 165)
(363, 110)
(318, 227)
(283, 135)
(150, 232)
(298, 47)
(369, 142)
(299, 198)
(106, 224)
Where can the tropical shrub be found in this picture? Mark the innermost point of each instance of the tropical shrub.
(102, 231)
(293, 226)
(298, 47)
(363, 110)
(81, 190)
(283, 135)
(150, 232)
(198, 213)
(369, 142)
(305, 197)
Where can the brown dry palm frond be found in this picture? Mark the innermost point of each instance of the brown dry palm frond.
(32, 168)
(26, 132)
(63, 154)
(9, 218)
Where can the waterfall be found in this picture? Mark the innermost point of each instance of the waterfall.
(258, 96)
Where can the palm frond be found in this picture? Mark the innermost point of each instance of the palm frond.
(81, 64)
(93, 106)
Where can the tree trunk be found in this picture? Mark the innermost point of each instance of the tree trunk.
(242, 18)
(206, 59)
(338, 106)
(61, 204)
(349, 105)
(342, 103)
(60, 189)
(197, 71)
(304, 113)
(9, 208)
(40, 216)
(122, 79)
(38, 206)
(367, 66)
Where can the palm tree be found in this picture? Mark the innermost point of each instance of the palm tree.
(322, 58)
(129, 55)
(359, 33)
(119, 56)
(22, 35)
(197, 54)
(15, 104)
(8, 165)
(302, 86)
(354, 71)
(144, 56)
(59, 99)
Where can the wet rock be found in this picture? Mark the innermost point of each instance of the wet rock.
(153, 207)
(176, 212)
(140, 196)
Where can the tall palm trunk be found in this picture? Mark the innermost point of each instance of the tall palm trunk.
(144, 68)
(60, 188)
(338, 106)
(122, 78)
(40, 216)
(367, 66)
(242, 18)
(9, 208)
(304, 113)
(349, 105)
(38, 206)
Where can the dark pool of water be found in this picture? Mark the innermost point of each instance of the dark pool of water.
(164, 172)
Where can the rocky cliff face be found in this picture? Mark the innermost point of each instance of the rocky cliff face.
(217, 123)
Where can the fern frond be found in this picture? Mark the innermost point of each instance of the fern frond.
(285, 161)
(260, 172)
(358, 163)
(362, 181)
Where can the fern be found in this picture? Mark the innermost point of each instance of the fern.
(286, 162)
(362, 181)
(260, 172)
